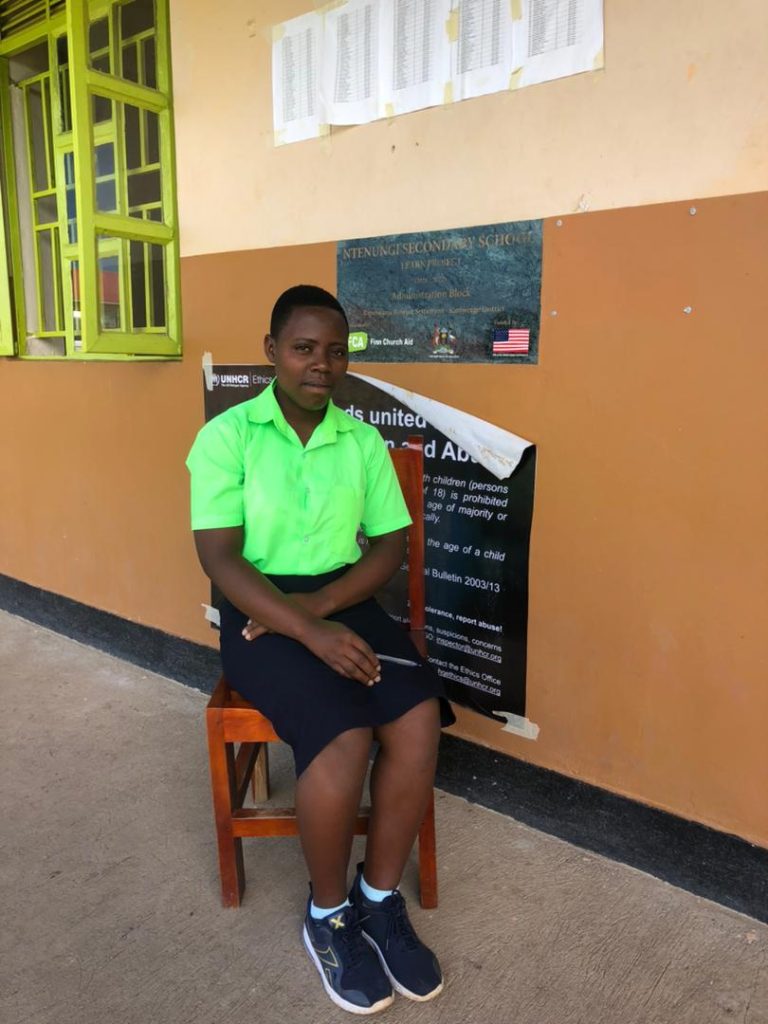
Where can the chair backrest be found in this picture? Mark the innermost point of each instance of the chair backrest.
(409, 466)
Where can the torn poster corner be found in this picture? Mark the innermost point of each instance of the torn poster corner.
(496, 449)
(518, 725)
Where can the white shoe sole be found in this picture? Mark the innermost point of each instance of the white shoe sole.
(393, 980)
(343, 1003)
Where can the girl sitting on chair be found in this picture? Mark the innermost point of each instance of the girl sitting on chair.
(280, 486)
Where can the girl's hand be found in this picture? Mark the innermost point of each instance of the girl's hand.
(252, 630)
(313, 603)
(343, 651)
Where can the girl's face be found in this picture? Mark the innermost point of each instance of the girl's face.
(310, 357)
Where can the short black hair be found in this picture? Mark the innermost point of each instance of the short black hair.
(298, 296)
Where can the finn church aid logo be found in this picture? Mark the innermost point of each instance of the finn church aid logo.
(358, 341)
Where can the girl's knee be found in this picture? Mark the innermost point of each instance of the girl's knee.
(415, 735)
(344, 753)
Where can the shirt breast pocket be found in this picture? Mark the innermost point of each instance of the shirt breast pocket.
(337, 506)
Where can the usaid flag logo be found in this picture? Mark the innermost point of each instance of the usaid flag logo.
(215, 379)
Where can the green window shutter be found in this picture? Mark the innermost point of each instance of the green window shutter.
(7, 343)
(7, 347)
(126, 270)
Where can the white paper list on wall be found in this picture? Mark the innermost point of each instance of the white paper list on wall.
(356, 61)
(296, 62)
(559, 38)
(350, 77)
(482, 57)
(415, 56)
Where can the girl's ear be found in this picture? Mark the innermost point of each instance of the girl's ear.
(269, 347)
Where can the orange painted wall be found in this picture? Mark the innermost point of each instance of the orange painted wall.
(647, 641)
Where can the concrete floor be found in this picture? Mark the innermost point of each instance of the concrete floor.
(110, 907)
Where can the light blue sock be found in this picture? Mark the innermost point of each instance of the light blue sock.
(376, 895)
(317, 912)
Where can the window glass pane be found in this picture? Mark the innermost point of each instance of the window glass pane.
(106, 183)
(105, 160)
(133, 136)
(109, 293)
(147, 285)
(62, 54)
(142, 156)
(48, 279)
(157, 263)
(131, 62)
(152, 130)
(69, 184)
(139, 285)
(46, 211)
(150, 63)
(36, 126)
(98, 36)
(102, 109)
(136, 17)
(143, 189)
(75, 283)
(106, 196)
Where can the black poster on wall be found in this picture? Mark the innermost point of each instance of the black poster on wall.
(477, 531)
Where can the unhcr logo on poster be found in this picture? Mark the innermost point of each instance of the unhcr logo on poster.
(231, 380)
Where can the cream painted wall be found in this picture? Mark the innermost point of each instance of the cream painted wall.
(681, 111)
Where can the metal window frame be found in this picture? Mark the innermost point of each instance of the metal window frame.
(92, 226)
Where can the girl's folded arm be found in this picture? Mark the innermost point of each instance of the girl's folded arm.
(220, 554)
(376, 567)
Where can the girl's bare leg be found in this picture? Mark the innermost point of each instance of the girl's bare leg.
(328, 796)
(401, 782)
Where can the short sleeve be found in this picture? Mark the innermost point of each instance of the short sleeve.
(384, 509)
(215, 464)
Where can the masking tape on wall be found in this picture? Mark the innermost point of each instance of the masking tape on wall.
(516, 6)
(208, 370)
(452, 26)
(212, 614)
(514, 78)
(518, 725)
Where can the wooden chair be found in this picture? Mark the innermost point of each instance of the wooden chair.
(231, 720)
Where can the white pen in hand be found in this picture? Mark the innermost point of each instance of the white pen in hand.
(396, 661)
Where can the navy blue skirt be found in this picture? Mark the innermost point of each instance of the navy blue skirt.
(308, 703)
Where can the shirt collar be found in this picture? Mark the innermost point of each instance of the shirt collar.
(264, 408)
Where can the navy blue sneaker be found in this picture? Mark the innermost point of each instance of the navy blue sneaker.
(410, 965)
(351, 974)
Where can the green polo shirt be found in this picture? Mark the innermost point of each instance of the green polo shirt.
(300, 507)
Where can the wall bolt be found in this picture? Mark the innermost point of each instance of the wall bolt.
(553, 312)
(692, 211)
(558, 223)
(687, 309)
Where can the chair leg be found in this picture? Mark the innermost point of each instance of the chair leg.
(260, 777)
(223, 785)
(428, 858)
